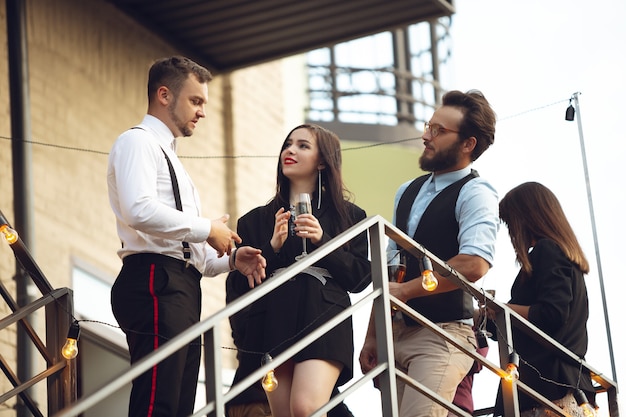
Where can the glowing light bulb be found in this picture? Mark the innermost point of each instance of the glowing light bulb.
(429, 282)
(588, 411)
(581, 400)
(512, 372)
(9, 234)
(269, 381)
(70, 349)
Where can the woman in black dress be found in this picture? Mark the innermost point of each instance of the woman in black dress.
(310, 162)
(550, 292)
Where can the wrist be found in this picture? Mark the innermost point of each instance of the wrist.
(233, 260)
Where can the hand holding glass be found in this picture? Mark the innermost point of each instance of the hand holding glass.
(396, 267)
(396, 270)
(303, 207)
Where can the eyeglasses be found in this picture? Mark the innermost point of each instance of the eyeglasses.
(435, 129)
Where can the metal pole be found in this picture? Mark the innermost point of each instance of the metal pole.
(595, 235)
(22, 173)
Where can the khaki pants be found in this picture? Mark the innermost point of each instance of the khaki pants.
(431, 361)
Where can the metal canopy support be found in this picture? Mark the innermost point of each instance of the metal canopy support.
(22, 172)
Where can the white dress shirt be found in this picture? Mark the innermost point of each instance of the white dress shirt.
(142, 198)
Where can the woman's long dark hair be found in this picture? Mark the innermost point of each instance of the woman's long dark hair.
(532, 212)
(333, 189)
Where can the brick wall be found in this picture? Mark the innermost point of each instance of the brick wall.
(88, 73)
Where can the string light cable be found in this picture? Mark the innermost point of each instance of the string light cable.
(512, 370)
(269, 381)
(515, 358)
(355, 148)
(74, 329)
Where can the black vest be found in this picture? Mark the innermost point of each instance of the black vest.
(437, 231)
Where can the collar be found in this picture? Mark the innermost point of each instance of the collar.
(441, 181)
(163, 134)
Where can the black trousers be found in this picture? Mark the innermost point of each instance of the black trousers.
(154, 298)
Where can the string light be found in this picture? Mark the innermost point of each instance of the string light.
(570, 112)
(269, 381)
(9, 234)
(355, 148)
(512, 372)
(429, 282)
(70, 349)
(581, 400)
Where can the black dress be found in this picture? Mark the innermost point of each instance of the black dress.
(293, 310)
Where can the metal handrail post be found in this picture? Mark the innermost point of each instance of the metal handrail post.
(63, 386)
(382, 320)
(213, 367)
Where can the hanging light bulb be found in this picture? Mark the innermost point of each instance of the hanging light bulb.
(569, 113)
(9, 234)
(481, 338)
(429, 282)
(70, 349)
(512, 372)
(581, 400)
(269, 381)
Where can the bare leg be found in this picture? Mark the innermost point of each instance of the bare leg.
(306, 386)
(279, 399)
(312, 385)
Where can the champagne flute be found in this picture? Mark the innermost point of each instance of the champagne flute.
(303, 207)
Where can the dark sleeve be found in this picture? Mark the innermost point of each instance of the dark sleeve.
(552, 279)
(255, 229)
(349, 265)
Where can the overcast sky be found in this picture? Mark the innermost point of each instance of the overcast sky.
(528, 58)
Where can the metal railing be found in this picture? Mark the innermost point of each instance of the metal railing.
(59, 373)
(378, 228)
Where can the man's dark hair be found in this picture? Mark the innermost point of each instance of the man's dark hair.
(479, 119)
(172, 73)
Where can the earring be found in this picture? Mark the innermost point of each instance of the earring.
(319, 188)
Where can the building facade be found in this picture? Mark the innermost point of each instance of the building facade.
(87, 74)
(87, 79)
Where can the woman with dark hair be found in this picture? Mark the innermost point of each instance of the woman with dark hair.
(550, 292)
(309, 163)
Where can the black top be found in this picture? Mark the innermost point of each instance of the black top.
(278, 320)
(557, 296)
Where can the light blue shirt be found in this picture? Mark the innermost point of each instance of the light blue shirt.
(476, 212)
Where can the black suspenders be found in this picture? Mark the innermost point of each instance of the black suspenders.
(179, 205)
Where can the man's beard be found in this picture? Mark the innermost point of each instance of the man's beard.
(441, 160)
(182, 126)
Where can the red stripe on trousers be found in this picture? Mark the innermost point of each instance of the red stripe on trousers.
(155, 320)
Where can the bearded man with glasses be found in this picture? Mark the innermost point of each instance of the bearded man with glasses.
(453, 213)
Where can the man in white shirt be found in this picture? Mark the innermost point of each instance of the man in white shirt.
(166, 245)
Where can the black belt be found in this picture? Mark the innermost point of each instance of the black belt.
(139, 259)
